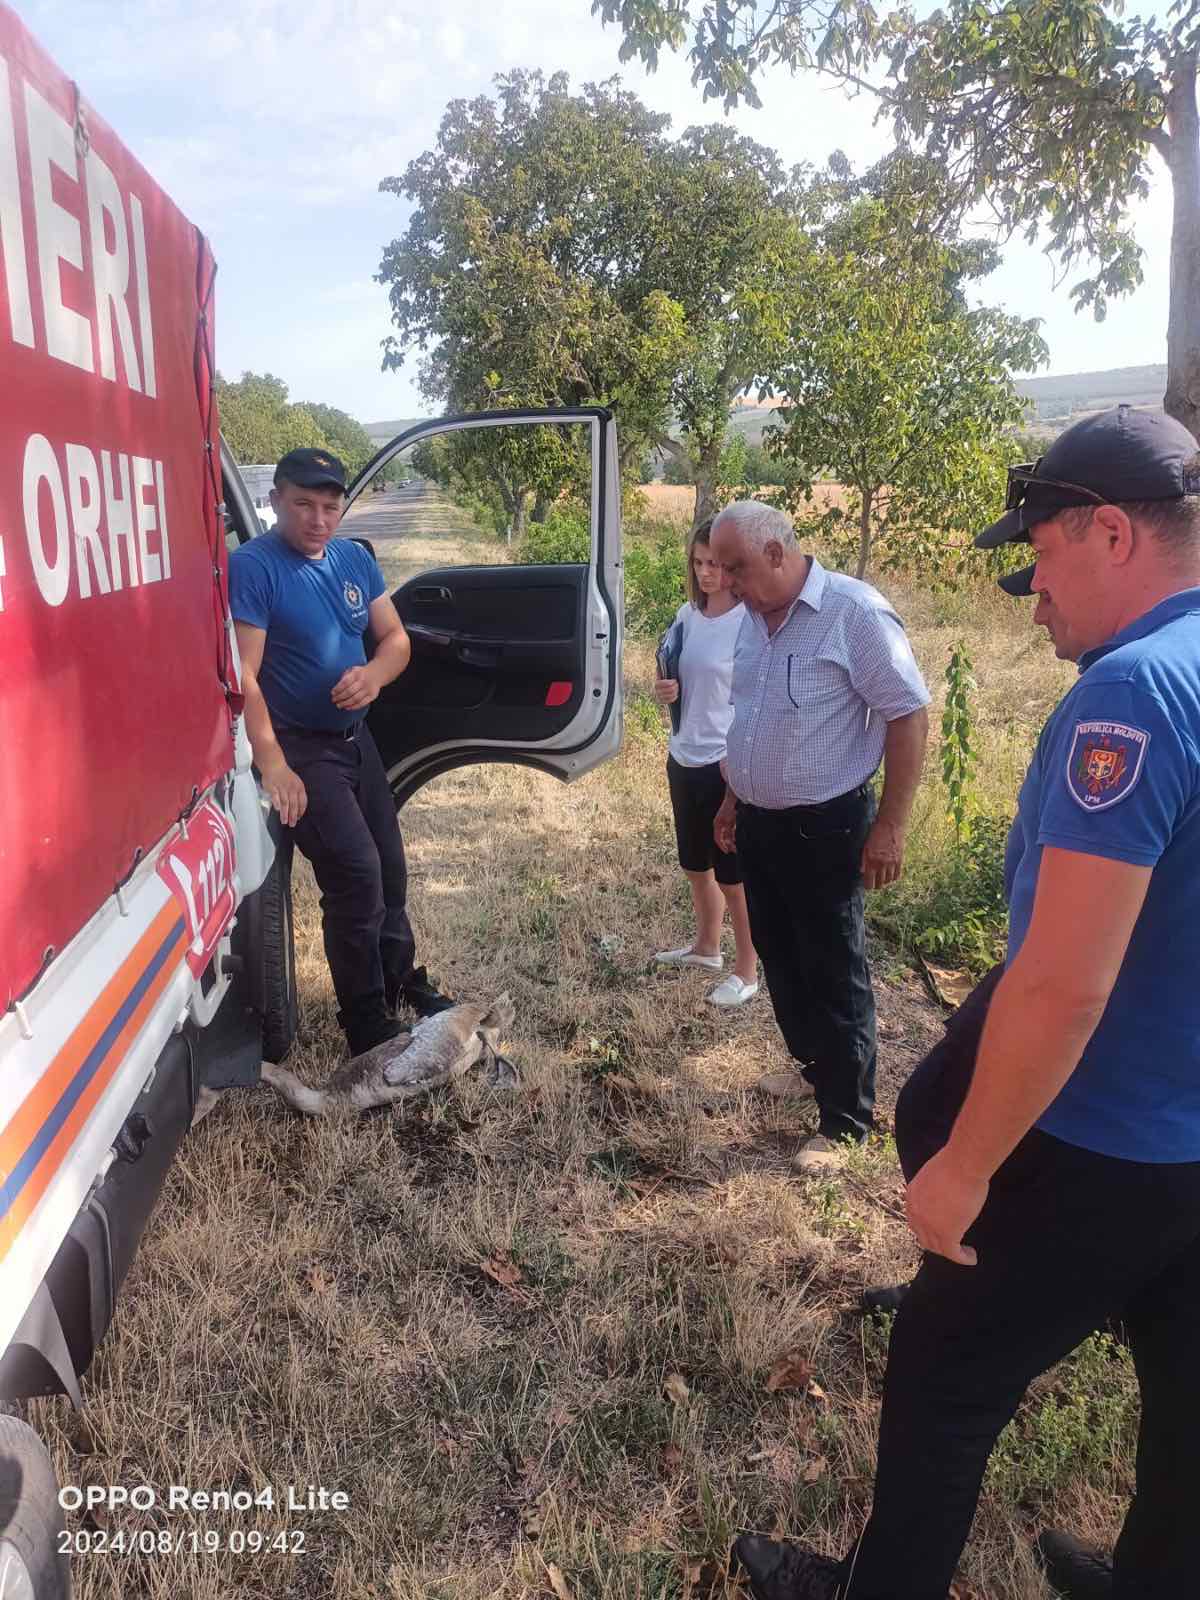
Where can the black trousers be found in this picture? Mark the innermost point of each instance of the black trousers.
(1067, 1240)
(350, 834)
(802, 871)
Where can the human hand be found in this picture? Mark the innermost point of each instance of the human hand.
(883, 854)
(725, 825)
(356, 688)
(285, 791)
(666, 690)
(941, 1204)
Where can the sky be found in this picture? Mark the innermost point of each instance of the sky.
(270, 125)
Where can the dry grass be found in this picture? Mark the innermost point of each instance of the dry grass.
(311, 1304)
(673, 502)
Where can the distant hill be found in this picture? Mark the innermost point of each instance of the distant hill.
(1052, 401)
(381, 432)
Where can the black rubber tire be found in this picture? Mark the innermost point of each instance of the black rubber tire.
(281, 1007)
(31, 1520)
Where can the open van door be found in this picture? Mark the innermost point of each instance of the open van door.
(517, 652)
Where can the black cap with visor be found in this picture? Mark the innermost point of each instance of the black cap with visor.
(1113, 458)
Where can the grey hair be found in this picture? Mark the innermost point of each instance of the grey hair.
(758, 524)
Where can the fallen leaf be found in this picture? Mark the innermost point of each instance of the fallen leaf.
(676, 1390)
(814, 1469)
(791, 1371)
(318, 1282)
(815, 1392)
(561, 1417)
(502, 1270)
(558, 1583)
(953, 984)
(672, 1458)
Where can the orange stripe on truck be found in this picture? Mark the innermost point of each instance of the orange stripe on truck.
(18, 1142)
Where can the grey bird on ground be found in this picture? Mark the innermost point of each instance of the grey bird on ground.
(439, 1049)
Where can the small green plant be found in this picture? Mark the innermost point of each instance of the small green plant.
(958, 752)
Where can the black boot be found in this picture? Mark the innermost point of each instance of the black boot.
(365, 1034)
(1077, 1570)
(421, 994)
(780, 1571)
(877, 1300)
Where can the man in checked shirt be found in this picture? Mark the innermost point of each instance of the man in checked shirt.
(825, 687)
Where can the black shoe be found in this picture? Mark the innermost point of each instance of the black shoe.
(421, 994)
(779, 1571)
(880, 1299)
(364, 1036)
(1077, 1570)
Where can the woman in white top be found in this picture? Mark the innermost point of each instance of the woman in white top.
(710, 619)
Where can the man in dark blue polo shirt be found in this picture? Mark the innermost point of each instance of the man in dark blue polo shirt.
(302, 601)
(1053, 1153)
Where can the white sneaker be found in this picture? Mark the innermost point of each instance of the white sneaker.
(817, 1154)
(732, 991)
(688, 958)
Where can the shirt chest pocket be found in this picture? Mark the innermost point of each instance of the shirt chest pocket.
(813, 682)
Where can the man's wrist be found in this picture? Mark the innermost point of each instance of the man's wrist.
(968, 1164)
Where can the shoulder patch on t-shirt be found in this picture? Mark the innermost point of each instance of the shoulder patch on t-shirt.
(1104, 762)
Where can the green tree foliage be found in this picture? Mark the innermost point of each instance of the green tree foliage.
(891, 384)
(348, 439)
(1047, 111)
(260, 423)
(564, 250)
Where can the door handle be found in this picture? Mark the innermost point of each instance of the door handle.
(433, 637)
(474, 655)
(432, 594)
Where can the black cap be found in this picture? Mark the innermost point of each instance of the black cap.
(1113, 457)
(311, 469)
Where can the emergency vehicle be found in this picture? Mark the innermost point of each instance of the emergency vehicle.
(145, 913)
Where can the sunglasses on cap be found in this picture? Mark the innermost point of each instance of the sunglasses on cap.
(1025, 477)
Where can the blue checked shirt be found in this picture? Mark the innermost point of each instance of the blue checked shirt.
(811, 701)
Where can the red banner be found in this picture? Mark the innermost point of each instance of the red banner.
(113, 713)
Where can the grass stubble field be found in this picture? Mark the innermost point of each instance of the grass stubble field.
(538, 1337)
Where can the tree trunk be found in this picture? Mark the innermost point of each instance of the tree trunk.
(541, 507)
(864, 533)
(706, 482)
(520, 517)
(1182, 399)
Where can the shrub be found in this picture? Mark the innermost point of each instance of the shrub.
(564, 536)
(952, 906)
(654, 583)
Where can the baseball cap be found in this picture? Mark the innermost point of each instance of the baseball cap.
(312, 469)
(1111, 458)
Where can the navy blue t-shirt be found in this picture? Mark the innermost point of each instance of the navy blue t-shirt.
(314, 614)
(1117, 774)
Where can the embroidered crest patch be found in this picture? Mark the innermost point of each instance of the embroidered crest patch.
(353, 595)
(1105, 762)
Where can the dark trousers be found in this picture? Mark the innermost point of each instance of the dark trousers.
(804, 892)
(1067, 1240)
(350, 834)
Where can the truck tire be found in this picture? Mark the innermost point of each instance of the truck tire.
(281, 1008)
(32, 1567)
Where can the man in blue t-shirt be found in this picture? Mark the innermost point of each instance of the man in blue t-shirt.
(302, 601)
(1052, 1140)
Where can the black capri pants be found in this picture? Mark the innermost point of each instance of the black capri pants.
(696, 795)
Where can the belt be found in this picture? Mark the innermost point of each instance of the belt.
(346, 734)
(817, 805)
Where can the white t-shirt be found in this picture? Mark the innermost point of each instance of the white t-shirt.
(705, 682)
